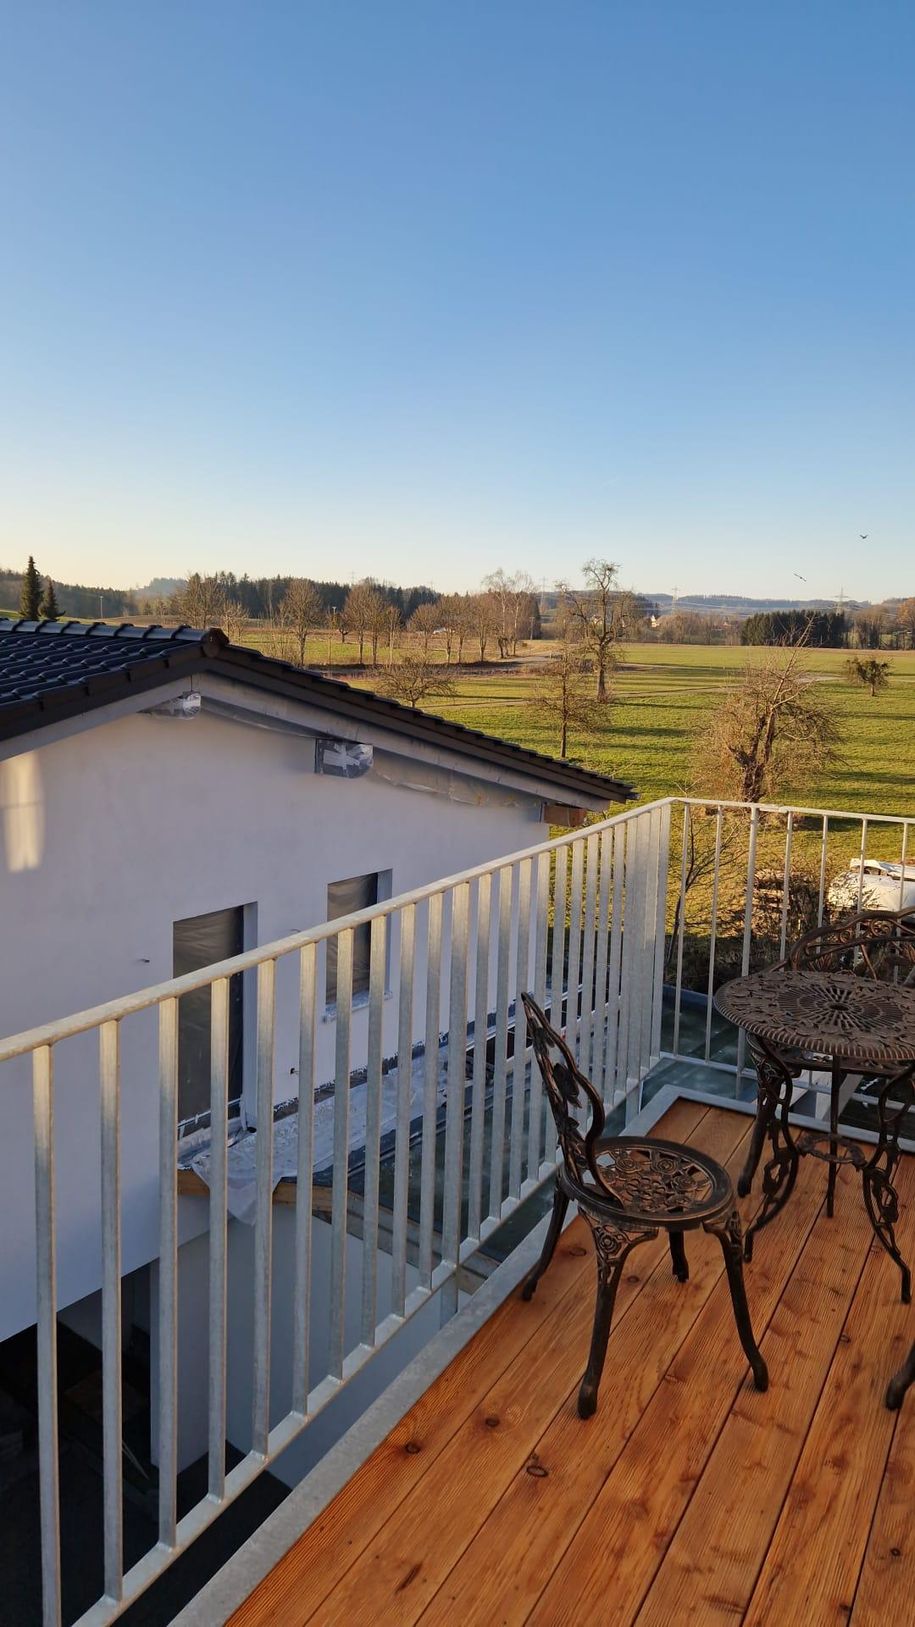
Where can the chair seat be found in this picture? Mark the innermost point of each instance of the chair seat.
(653, 1182)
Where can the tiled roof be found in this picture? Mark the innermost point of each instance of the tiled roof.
(52, 670)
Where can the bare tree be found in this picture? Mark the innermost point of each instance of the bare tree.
(364, 615)
(774, 727)
(483, 617)
(870, 674)
(233, 620)
(424, 623)
(449, 609)
(563, 697)
(513, 595)
(392, 627)
(299, 612)
(414, 679)
(600, 614)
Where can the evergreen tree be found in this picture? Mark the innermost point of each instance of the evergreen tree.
(30, 593)
(48, 609)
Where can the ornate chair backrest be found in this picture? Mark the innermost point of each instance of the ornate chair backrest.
(566, 1085)
(879, 944)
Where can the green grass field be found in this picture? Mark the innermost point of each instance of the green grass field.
(663, 696)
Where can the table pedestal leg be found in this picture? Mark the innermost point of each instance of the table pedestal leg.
(837, 1078)
(880, 1194)
(776, 1086)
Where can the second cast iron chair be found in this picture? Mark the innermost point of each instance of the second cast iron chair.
(629, 1189)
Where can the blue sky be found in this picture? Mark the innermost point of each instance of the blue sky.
(421, 289)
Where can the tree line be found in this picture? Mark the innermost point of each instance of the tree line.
(889, 626)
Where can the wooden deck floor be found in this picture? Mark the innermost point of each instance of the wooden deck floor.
(688, 1498)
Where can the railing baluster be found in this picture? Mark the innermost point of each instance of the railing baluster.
(497, 1159)
(263, 1224)
(713, 936)
(219, 1139)
(686, 838)
(902, 857)
(557, 972)
(660, 935)
(786, 885)
(480, 1039)
(648, 945)
(614, 975)
(109, 1068)
(602, 930)
(542, 927)
(591, 854)
(301, 1307)
(404, 1101)
(340, 1180)
(748, 927)
(457, 1066)
(46, 1293)
(518, 1062)
(575, 902)
(168, 1273)
(861, 862)
(430, 1088)
(632, 932)
(373, 1088)
(823, 854)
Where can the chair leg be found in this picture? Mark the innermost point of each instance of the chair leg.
(901, 1381)
(728, 1234)
(560, 1206)
(765, 1113)
(612, 1246)
(678, 1256)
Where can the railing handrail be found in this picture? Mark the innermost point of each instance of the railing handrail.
(127, 1005)
(792, 808)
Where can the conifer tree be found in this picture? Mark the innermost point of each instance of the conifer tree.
(48, 609)
(30, 593)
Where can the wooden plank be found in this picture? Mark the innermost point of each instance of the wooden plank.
(711, 1566)
(395, 1579)
(192, 1185)
(886, 1585)
(295, 1589)
(505, 1568)
(811, 1570)
(630, 1523)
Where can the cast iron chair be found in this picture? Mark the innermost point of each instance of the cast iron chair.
(875, 944)
(628, 1189)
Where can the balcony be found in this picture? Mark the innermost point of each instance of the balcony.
(689, 1497)
(395, 1196)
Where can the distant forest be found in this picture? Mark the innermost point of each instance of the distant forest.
(260, 596)
(257, 596)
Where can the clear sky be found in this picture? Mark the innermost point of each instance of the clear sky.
(418, 288)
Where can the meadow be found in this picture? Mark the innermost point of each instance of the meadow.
(663, 696)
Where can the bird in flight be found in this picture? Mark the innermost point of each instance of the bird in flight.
(864, 535)
(800, 577)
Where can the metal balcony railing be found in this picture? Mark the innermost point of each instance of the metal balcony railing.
(622, 930)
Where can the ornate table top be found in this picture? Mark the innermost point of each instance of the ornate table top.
(834, 1015)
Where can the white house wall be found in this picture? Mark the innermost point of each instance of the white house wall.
(111, 835)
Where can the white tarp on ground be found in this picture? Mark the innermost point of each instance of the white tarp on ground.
(241, 1178)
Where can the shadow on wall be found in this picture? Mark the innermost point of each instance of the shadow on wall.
(22, 805)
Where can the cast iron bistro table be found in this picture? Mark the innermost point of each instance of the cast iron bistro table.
(796, 1020)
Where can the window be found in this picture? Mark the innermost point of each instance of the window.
(199, 941)
(344, 898)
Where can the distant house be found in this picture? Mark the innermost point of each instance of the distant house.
(166, 801)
